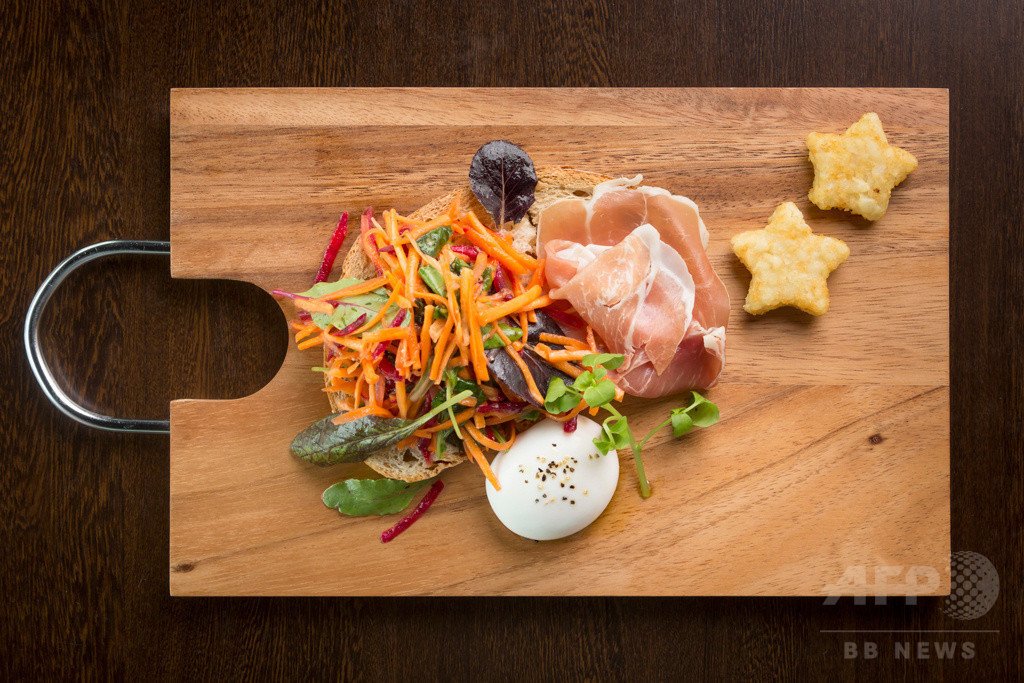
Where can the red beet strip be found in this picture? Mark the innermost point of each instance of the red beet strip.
(424, 445)
(387, 370)
(417, 512)
(501, 407)
(466, 250)
(501, 281)
(352, 326)
(569, 426)
(564, 317)
(332, 249)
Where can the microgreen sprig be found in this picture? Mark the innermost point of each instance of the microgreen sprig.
(593, 388)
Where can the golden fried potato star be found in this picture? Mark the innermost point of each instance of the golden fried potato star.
(857, 170)
(788, 263)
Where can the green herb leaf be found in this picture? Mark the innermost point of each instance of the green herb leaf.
(432, 278)
(611, 361)
(512, 332)
(458, 265)
(703, 411)
(589, 378)
(486, 279)
(681, 422)
(560, 398)
(361, 497)
(443, 437)
(432, 242)
(530, 415)
(599, 394)
(457, 384)
(614, 435)
(325, 443)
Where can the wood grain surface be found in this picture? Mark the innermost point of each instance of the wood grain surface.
(84, 147)
(734, 506)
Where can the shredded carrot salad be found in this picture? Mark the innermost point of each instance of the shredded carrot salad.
(452, 286)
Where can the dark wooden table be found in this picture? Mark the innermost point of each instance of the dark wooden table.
(84, 120)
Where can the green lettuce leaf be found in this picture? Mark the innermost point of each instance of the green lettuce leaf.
(361, 497)
(350, 308)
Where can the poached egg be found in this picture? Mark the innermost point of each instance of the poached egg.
(553, 483)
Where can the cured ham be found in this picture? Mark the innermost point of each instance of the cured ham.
(632, 262)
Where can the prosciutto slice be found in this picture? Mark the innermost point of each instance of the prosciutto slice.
(632, 262)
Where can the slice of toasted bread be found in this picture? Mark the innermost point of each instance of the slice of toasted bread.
(554, 183)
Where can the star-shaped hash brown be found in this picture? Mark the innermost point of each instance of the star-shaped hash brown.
(788, 263)
(857, 170)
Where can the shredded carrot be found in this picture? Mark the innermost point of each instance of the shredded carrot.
(360, 412)
(304, 331)
(386, 334)
(484, 441)
(571, 370)
(379, 315)
(310, 343)
(439, 349)
(555, 356)
(370, 248)
(479, 265)
(517, 286)
(410, 221)
(410, 274)
(358, 393)
(498, 243)
(402, 399)
(499, 418)
(428, 296)
(406, 443)
(399, 252)
(518, 303)
(538, 275)
(348, 342)
(428, 318)
(369, 373)
(476, 342)
(564, 341)
(497, 249)
(453, 308)
(459, 418)
(478, 457)
(539, 302)
(447, 359)
(527, 375)
(412, 349)
(414, 409)
(361, 288)
(347, 388)
(591, 342)
(443, 219)
(314, 306)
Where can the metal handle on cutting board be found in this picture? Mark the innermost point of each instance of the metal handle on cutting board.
(37, 362)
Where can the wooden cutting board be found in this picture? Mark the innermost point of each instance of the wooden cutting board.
(832, 456)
